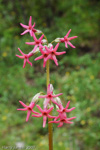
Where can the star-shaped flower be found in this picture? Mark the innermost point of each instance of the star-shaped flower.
(45, 113)
(53, 52)
(50, 96)
(29, 28)
(25, 57)
(49, 53)
(62, 115)
(37, 42)
(45, 55)
(28, 108)
(66, 39)
(63, 120)
(62, 109)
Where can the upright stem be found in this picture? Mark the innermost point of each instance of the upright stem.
(50, 133)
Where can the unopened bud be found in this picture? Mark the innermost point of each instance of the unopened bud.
(38, 32)
(44, 41)
(36, 98)
(57, 40)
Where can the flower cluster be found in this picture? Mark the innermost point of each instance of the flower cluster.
(48, 52)
(50, 97)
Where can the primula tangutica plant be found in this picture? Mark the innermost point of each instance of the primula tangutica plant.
(48, 51)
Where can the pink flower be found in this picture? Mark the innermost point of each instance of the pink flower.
(45, 55)
(28, 108)
(37, 42)
(49, 53)
(29, 28)
(62, 109)
(25, 57)
(52, 53)
(62, 115)
(50, 96)
(63, 120)
(66, 40)
(45, 113)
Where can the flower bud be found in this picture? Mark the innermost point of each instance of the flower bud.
(57, 40)
(38, 32)
(49, 45)
(36, 97)
(51, 88)
(44, 41)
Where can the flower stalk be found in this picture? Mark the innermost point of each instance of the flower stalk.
(50, 132)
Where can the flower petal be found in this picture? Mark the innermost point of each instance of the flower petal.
(28, 115)
(23, 104)
(25, 32)
(24, 26)
(71, 44)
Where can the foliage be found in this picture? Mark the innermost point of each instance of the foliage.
(79, 82)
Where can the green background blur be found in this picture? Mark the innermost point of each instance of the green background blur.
(77, 76)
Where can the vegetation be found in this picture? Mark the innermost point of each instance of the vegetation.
(78, 74)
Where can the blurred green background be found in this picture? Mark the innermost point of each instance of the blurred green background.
(77, 76)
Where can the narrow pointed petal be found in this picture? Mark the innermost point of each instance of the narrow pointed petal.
(34, 49)
(44, 121)
(69, 122)
(33, 25)
(56, 118)
(40, 115)
(30, 43)
(54, 101)
(28, 115)
(60, 53)
(24, 32)
(24, 63)
(56, 47)
(66, 44)
(55, 60)
(29, 62)
(57, 95)
(35, 112)
(73, 37)
(39, 108)
(23, 104)
(20, 51)
(60, 125)
(41, 37)
(48, 50)
(51, 116)
(30, 21)
(71, 118)
(22, 57)
(40, 57)
(34, 37)
(50, 109)
(67, 105)
(43, 96)
(23, 109)
(68, 33)
(71, 44)
(68, 110)
(41, 50)
(31, 33)
(44, 63)
(30, 54)
(24, 26)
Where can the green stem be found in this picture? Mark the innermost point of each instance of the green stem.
(50, 133)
